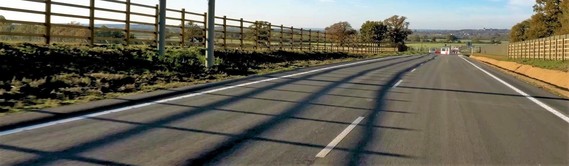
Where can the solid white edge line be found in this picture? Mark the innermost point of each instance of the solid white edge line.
(398, 83)
(339, 138)
(543, 105)
(17, 130)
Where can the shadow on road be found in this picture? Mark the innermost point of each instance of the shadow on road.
(235, 141)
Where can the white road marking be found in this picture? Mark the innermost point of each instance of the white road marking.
(413, 70)
(543, 105)
(18, 130)
(398, 83)
(338, 138)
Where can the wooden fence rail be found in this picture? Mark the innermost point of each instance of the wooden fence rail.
(184, 28)
(551, 48)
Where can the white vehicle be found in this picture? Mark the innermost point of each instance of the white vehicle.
(445, 51)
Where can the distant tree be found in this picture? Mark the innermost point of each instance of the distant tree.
(373, 31)
(259, 31)
(398, 31)
(476, 39)
(194, 33)
(520, 31)
(341, 32)
(105, 31)
(415, 38)
(451, 38)
(434, 39)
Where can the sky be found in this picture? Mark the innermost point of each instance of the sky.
(422, 14)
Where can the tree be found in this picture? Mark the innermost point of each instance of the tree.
(434, 39)
(259, 31)
(451, 38)
(340, 32)
(537, 28)
(520, 31)
(398, 31)
(550, 13)
(194, 33)
(564, 20)
(373, 31)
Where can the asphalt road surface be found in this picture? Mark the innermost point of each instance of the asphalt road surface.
(397, 110)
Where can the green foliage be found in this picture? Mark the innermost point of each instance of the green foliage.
(551, 18)
(341, 32)
(259, 32)
(398, 31)
(194, 33)
(373, 31)
(451, 38)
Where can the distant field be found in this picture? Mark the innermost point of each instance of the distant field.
(438, 45)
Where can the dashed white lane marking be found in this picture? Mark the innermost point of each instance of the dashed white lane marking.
(398, 83)
(413, 70)
(338, 138)
(543, 105)
(33, 127)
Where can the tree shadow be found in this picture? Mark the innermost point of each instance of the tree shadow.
(369, 133)
(224, 148)
(231, 145)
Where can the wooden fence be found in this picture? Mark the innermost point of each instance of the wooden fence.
(551, 48)
(184, 28)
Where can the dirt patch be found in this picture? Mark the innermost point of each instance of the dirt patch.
(552, 80)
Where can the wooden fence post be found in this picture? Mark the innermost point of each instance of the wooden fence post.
(92, 23)
(291, 38)
(282, 38)
(269, 38)
(318, 40)
(183, 31)
(127, 24)
(301, 38)
(225, 32)
(47, 22)
(256, 35)
(326, 42)
(242, 34)
(204, 42)
(310, 40)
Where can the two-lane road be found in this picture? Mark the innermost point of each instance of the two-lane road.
(396, 110)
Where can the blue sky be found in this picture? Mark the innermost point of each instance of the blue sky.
(422, 14)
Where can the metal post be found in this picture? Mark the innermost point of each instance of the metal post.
(210, 34)
(162, 28)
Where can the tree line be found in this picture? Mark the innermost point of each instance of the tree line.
(394, 31)
(551, 17)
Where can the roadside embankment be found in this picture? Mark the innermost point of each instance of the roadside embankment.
(559, 79)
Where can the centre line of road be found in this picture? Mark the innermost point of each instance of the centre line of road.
(22, 129)
(339, 138)
(413, 70)
(533, 99)
(398, 83)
